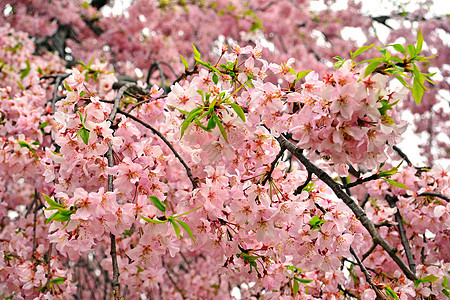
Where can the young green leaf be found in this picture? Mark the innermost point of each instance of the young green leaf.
(159, 205)
(219, 124)
(399, 48)
(411, 50)
(25, 71)
(67, 87)
(360, 50)
(419, 41)
(215, 78)
(185, 63)
(417, 90)
(295, 287)
(315, 222)
(58, 280)
(51, 202)
(397, 184)
(196, 53)
(84, 134)
(194, 113)
(186, 227)
(153, 221)
(371, 67)
(238, 110)
(304, 280)
(175, 227)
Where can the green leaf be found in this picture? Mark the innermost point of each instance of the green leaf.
(215, 78)
(67, 87)
(238, 110)
(295, 287)
(159, 205)
(390, 292)
(194, 113)
(399, 48)
(186, 227)
(430, 278)
(185, 63)
(84, 134)
(25, 71)
(51, 202)
(390, 172)
(58, 280)
(294, 268)
(303, 280)
(175, 226)
(446, 293)
(371, 67)
(302, 74)
(417, 90)
(219, 124)
(183, 214)
(196, 53)
(153, 221)
(211, 124)
(340, 61)
(403, 81)
(411, 50)
(397, 184)
(419, 41)
(315, 222)
(360, 50)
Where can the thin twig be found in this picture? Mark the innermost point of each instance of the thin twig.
(367, 274)
(300, 188)
(159, 134)
(357, 210)
(362, 180)
(115, 281)
(272, 166)
(401, 229)
(402, 155)
(366, 255)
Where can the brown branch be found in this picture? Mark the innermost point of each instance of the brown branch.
(159, 134)
(109, 154)
(431, 194)
(365, 255)
(300, 188)
(356, 209)
(402, 155)
(272, 166)
(367, 275)
(401, 229)
(362, 180)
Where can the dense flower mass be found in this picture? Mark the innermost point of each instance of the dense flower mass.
(247, 176)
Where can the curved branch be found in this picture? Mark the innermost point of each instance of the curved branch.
(357, 210)
(159, 134)
(431, 194)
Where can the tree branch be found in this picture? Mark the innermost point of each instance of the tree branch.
(362, 180)
(367, 274)
(401, 229)
(357, 210)
(159, 134)
(431, 194)
(272, 166)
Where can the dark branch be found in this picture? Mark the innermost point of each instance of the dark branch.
(299, 189)
(401, 229)
(367, 274)
(431, 194)
(357, 210)
(272, 166)
(362, 180)
(159, 134)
